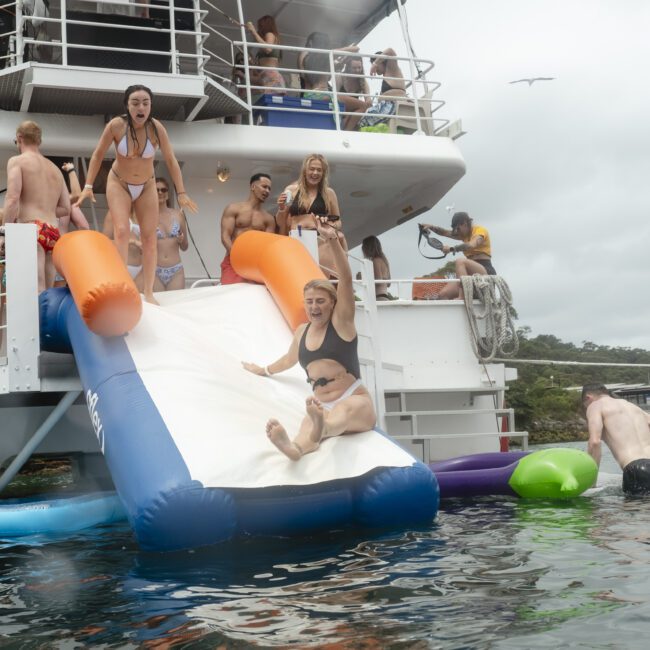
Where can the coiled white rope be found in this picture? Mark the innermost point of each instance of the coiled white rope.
(495, 309)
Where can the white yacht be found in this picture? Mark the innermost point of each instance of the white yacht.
(66, 64)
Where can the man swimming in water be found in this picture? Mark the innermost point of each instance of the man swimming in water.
(625, 429)
(245, 215)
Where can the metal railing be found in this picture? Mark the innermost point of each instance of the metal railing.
(420, 107)
(47, 39)
(51, 32)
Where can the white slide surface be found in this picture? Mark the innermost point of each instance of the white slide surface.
(188, 353)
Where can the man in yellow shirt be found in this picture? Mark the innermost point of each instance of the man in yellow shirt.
(475, 244)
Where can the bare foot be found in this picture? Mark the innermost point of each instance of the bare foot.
(150, 299)
(315, 412)
(278, 436)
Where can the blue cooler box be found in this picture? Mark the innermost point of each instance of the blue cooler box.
(300, 115)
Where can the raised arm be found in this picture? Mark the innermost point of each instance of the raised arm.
(184, 201)
(286, 361)
(443, 232)
(269, 39)
(282, 215)
(344, 309)
(75, 187)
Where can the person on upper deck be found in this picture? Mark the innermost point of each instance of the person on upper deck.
(131, 183)
(353, 92)
(371, 249)
(311, 197)
(392, 86)
(625, 429)
(242, 216)
(171, 234)
(475, 245)
(36, 193)
(315, 65)
(316, 75)
(326, 347)
(268, 57)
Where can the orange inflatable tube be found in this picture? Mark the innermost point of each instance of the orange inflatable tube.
(281, 263)
(99, 282)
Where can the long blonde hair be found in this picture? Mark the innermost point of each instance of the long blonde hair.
(323, 186)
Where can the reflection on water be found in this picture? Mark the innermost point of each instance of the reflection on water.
(488, 573)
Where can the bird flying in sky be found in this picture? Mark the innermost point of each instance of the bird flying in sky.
(532, 80)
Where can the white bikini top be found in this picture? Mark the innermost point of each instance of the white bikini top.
(149, 150)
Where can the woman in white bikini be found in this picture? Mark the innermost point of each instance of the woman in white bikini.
(326, 347)
(131, 184)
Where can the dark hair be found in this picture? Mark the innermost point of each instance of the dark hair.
(319, 41)
(127, 116)
(374, 58)
(256, 177)
(371, 248)
(594, 389)
(460, 218)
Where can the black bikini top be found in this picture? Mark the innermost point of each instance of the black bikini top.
(318, 206)
(333, 347)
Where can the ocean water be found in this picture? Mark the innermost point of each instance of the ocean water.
(488, 573)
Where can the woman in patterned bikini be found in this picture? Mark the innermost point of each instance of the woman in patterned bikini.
(171, 234)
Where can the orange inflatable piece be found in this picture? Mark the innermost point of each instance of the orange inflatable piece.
(99, 282)
(281, 263)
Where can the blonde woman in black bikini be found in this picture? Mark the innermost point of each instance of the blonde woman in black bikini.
(312, 197)
(326, 347)
(131, 184)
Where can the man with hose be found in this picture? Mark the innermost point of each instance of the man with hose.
(476, 246)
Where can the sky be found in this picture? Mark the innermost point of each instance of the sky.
(558, 172)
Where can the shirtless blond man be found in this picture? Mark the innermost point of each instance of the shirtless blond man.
(242, 216)
(625, 429)
(36, 193)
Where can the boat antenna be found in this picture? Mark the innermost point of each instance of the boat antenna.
(404, 22)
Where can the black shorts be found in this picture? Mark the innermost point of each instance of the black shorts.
(636, 477)
(487, 265)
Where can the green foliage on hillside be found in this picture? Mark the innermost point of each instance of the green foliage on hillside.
(539, 393)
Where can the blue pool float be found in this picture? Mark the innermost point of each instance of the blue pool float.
(52, 513)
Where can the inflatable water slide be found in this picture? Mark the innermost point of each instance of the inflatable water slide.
(182, 424)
